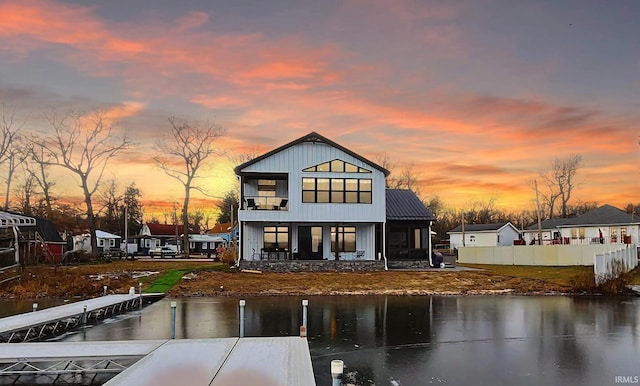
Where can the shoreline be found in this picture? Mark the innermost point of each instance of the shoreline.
(185, 279)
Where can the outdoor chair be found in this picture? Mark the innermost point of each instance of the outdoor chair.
(251, 204)
(283, 204)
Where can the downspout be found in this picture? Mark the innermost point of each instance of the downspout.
(240, 224)
(384, 245)
(430, 246)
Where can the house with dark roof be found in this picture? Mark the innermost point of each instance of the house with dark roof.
(483, 235)
(155, 235)
(408, 226)
(311, 199)
(548, 232)
(39, 239)
(225, 231)
(603, 225)
(315, 200)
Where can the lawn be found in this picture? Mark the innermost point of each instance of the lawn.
(558, 275)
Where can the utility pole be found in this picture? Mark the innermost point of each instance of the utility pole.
(535, 183)
(126, 229)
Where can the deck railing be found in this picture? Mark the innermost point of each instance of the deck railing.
(266, 203)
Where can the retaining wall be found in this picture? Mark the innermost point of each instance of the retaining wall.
(313, 265)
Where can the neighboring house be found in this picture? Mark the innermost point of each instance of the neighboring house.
(408, 228)
(154, 235)
(548, 229)
(38, 237)
(311, 199)
(105, 241)
(484, 235)
(53, 246)
(615, 225)
(225, 231)
(205, 244)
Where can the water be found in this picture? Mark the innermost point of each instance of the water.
(493, 340)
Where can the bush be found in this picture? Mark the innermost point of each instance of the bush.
(614, 284)
(229, 255)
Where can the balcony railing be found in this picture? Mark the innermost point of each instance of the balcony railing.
(265, 203)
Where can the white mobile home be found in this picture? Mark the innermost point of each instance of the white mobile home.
(483, 235)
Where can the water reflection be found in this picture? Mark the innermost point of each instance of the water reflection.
(498, 340)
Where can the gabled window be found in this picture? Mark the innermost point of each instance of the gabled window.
(336, 166)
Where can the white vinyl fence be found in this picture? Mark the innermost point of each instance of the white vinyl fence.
(609, 265)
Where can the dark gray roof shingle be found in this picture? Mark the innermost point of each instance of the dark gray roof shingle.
(604, 215)
(403, 204)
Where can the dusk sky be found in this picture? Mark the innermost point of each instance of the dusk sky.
(478, 96)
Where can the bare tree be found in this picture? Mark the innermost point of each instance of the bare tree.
(183, 154)
(84, 145)
(14, 157)
(112, 202)
(25, 193)
(560, 182)
(38, 168)
(11, 152)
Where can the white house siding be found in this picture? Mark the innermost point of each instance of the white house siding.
(592, 234)
(507, 235)
(474, 239)
(484, 238)
(547, 235)
(292, 161)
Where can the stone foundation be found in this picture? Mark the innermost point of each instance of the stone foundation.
(408, 264)
(313, 265)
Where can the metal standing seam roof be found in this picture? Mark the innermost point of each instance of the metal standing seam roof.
(311, 137)
(403, 204)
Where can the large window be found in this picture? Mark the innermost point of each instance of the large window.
(337, 190)
(276, 237)
(343, 239)
(336, 166)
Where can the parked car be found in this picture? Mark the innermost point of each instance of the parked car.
(166, 250)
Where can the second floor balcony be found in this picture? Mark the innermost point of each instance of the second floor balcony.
(266, 203)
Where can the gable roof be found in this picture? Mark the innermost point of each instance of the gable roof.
(403, 204)
(482, 227)
(48, 231)
(604, 215)
(157, 229)
(106, 235)
(222, 228)
(551, 223)
(311, 137)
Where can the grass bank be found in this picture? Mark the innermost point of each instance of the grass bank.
(184, 279)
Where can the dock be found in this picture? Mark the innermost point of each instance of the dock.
(52, 321)
(194, 362)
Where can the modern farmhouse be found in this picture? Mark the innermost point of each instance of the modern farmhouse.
(313, 199)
